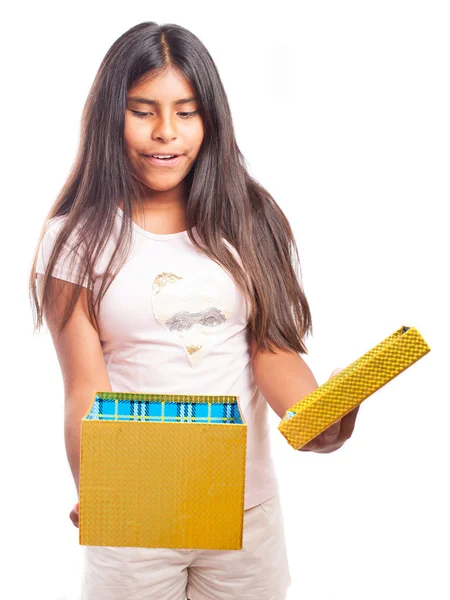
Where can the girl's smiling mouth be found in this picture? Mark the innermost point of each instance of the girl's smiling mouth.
(163, 161)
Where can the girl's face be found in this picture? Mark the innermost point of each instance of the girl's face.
(162, 118)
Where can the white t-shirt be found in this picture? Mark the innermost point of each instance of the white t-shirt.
(174, 322)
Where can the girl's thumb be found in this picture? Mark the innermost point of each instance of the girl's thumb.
(335, 372)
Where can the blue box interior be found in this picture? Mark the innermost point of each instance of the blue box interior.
(126, 409)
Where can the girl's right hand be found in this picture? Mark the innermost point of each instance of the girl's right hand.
(74, 514)
(332, 438)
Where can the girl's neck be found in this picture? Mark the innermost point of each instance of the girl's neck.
(160, 217)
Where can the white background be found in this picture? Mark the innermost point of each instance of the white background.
(342, 112)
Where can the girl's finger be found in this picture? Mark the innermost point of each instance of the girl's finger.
(74, 514)
(332, 430)
(348, 423)
(335, 372)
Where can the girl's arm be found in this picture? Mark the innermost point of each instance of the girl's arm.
(283, 378)
(82, 364)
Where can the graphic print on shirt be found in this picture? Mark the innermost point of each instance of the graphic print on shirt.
(193, 308)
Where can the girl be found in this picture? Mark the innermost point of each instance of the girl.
(159, 210)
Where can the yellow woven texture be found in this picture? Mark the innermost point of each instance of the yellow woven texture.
(338, 396)
(162, 485)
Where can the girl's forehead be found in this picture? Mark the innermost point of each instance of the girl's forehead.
(167, 83)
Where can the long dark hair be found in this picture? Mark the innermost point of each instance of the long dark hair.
(224, 201)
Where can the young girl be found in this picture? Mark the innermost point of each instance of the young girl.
(175, 275)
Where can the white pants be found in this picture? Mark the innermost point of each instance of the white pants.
(259, 571)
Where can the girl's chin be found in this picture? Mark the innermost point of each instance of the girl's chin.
(160, 184)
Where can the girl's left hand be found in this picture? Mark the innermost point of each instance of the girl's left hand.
(74, 514)
(336, 435)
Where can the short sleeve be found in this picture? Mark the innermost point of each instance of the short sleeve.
(67, 266)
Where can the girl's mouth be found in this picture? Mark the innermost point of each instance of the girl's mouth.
(163, 161)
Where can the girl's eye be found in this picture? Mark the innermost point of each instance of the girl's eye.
(184, 115)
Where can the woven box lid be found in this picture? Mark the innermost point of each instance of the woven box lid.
(345, 391)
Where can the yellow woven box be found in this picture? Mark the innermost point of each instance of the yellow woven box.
(162, 471)
(345, 391)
